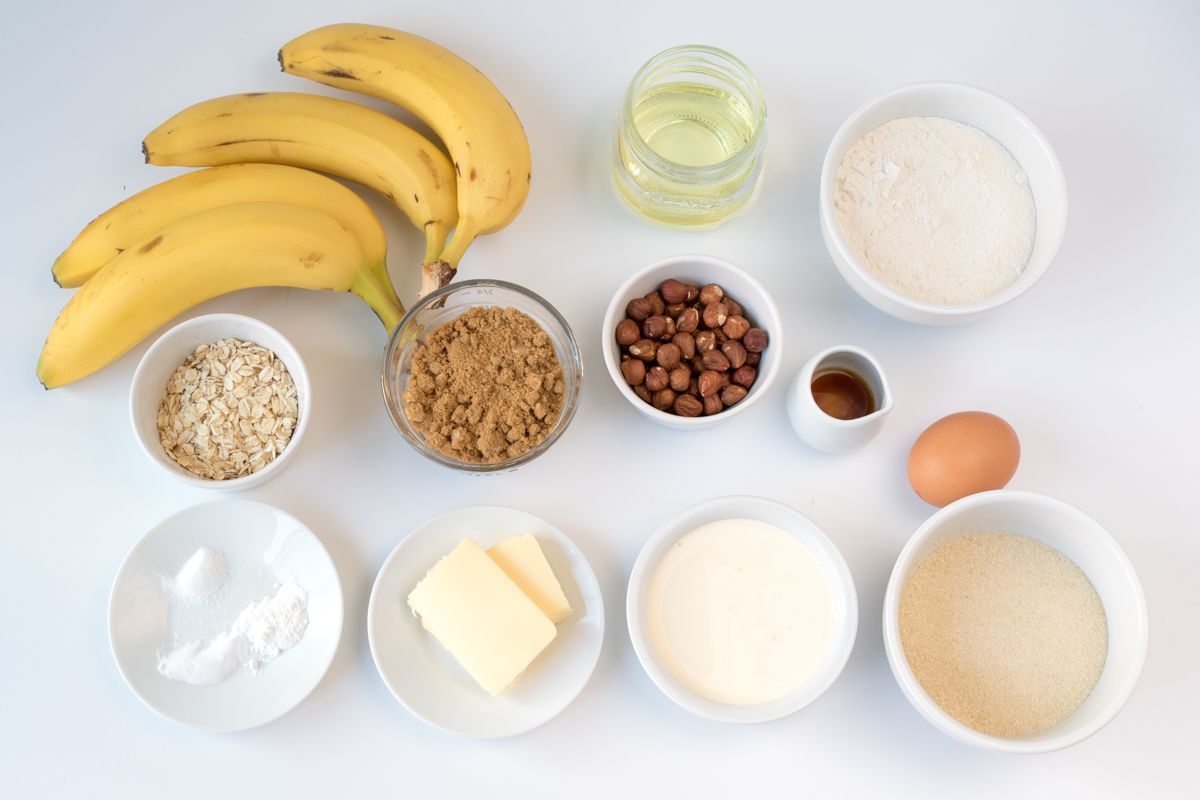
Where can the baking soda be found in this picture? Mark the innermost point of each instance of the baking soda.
(200, 579)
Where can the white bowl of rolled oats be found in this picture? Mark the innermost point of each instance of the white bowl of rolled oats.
(220, 402)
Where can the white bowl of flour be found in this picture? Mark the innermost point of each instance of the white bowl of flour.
(930, 221)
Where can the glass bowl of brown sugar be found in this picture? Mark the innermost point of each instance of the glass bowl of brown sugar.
(482, 376)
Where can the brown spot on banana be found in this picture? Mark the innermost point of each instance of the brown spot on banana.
(457, 171)
(311, 260)
(226, 114)
(389, 38)
(416, 199)
(150, 245)
(472, 173)
(145, 152)
(254, 94)
(429, 165)
(340, 73)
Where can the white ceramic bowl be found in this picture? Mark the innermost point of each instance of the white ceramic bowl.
(1078, 537)
(841, 584)
(699, 270)
(994, 116)
(168, 354)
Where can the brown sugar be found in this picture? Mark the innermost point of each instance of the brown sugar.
(486, 386)
(1003, 632)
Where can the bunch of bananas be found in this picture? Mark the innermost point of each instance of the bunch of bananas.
(259, 217)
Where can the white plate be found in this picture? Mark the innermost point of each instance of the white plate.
(430, 682)
(266, 547)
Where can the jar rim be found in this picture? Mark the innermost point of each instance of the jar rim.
(711, 60)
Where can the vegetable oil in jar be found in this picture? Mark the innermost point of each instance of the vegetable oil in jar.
(690, 137)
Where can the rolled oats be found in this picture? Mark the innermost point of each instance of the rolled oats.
(228, 411)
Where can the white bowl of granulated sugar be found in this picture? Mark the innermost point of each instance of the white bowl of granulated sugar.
(1015, 622)
(931, 222)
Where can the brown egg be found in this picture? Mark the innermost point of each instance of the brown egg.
(964, 453)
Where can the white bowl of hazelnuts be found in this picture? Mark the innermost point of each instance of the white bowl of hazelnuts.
(692, 340)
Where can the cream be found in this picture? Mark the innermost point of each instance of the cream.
(740, 611)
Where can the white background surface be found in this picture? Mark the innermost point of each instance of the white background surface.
(1095, 368)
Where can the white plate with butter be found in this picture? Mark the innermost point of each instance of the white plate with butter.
(428, 680)
(265, 547)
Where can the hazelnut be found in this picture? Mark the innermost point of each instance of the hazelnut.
(744, 376)
(705, 341)
(688, 406)
(670, 331)
(713, 405)
(641, 391)
(663, 399)
(715, 314)
(697, 363)
(643, 349)
(634, 371)
(735, 308)
(688, 320)
(709, 383)
(638, 309)
(715, 361)
(686, 344)
(668, 356)
(673, 291)
(711, 294)
(657, 304)
(656, 378)
(627, 332)
(753, 358)
(673, 310)
(735, 352)
(654, 327)
(720, 337)
(692, 293)
(694, 387)
(735, 327)
(755, 340)
(680, 378)
(732, 394)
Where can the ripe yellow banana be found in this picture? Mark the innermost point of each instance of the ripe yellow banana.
(199, 257)
(170, 201)
(321, 133)
(477, 125)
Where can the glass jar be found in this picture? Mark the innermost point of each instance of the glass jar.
(689, 138)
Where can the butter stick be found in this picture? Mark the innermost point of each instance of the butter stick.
(522, 559)
(481, 616)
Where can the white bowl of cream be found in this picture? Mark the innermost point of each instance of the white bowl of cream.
(742, 610)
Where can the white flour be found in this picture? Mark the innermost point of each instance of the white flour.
(265, 628)
(936, 209)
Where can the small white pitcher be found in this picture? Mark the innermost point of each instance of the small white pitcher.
(826, 433)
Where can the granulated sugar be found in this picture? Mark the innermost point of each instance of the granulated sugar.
(1003, 632)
